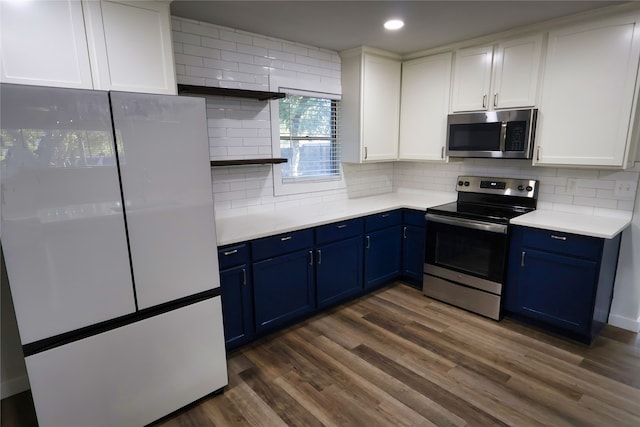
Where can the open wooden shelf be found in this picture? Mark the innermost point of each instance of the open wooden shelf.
(221, 91)
(240, 162)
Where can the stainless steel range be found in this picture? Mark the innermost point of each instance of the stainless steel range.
(467, 241)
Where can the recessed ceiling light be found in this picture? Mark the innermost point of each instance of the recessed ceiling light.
(394, 24)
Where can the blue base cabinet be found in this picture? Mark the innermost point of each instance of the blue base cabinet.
(413, 241)
(339, 253)
(561, 282)
(383, 250)
(283, 285)
(237, 295)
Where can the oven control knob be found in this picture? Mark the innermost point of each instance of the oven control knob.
(520, 187)
(529, 188)
(466, 183)
(460, 183)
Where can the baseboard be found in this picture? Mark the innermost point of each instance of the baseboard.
(14, 386)
(632, 325)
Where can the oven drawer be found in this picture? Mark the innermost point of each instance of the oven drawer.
(383, 220)
(560, 242)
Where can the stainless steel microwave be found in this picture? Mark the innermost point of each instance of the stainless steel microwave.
(495, 134)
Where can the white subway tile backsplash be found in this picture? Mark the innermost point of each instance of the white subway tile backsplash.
(200, 29)
(237, 57)
(189, 80)
(249, 49)
(297, 49)
(192, 60)
(235, 36)
(221, 45)
(220, 64)
(203, 72)
(180, 37)
(204, 52)
(283, 56)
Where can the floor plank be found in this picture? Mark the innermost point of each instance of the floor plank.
(396, 357)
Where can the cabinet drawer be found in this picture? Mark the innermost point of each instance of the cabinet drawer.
(563, 243)
(383, 220)
(230, 256)
(282, 244)
(339, 230)
(413, 217)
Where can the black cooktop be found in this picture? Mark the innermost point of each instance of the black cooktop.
(495, 200)
(488, 213)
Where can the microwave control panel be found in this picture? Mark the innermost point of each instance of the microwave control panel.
(516, 136)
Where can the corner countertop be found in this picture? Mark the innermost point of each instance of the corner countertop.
(253, 226)
(587, 225)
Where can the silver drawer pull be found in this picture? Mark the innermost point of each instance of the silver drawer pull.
(235, 251)
(244, 276)
(385, 215)
(553, 236)
(524, 254)
(342, 226)
(284, 239)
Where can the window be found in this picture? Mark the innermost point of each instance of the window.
(308, 138)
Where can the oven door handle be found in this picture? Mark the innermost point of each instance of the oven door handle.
(468, 223)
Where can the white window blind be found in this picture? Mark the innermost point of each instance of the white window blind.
(309, 138)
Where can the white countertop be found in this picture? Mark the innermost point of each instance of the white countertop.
(252, 226)
(588, 225)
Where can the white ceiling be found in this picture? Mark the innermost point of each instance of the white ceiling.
(339, 25)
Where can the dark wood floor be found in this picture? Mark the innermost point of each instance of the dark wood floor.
(398, 358)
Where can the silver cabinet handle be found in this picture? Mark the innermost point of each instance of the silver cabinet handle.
(319, 257)
(495, 99)
(385, 215)
(442, 152)
(553, 236)
(310, 257)
(235, 251)
(365, 153)
(404, 233)
(538, 154)
(244, 276)
(368, 242)
(484, 101)
(522, 258)
(342, 226)
(284, 239)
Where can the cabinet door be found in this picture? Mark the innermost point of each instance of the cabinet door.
(382, 256)
(424, 107)
(283, 289)
(557, 289)
(166, 183)
(237, 305)
(413, 240)
(43, 43)
(338, 270)
(587, 94)
(516, 72)
(380, 108)
(130, 46)
(471, 79)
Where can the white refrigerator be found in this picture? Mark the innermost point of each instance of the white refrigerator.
(110, 247)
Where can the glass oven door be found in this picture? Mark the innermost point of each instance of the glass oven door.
(466, 246)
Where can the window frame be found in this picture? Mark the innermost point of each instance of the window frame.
(285, 186)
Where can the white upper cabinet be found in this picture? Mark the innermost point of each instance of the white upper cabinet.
(504, 76)
(89, 45)
(370, 110)
(424, 105)
(589, 94)
(130, 46)
(43, 43)
(472, 79)
(516, 71)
